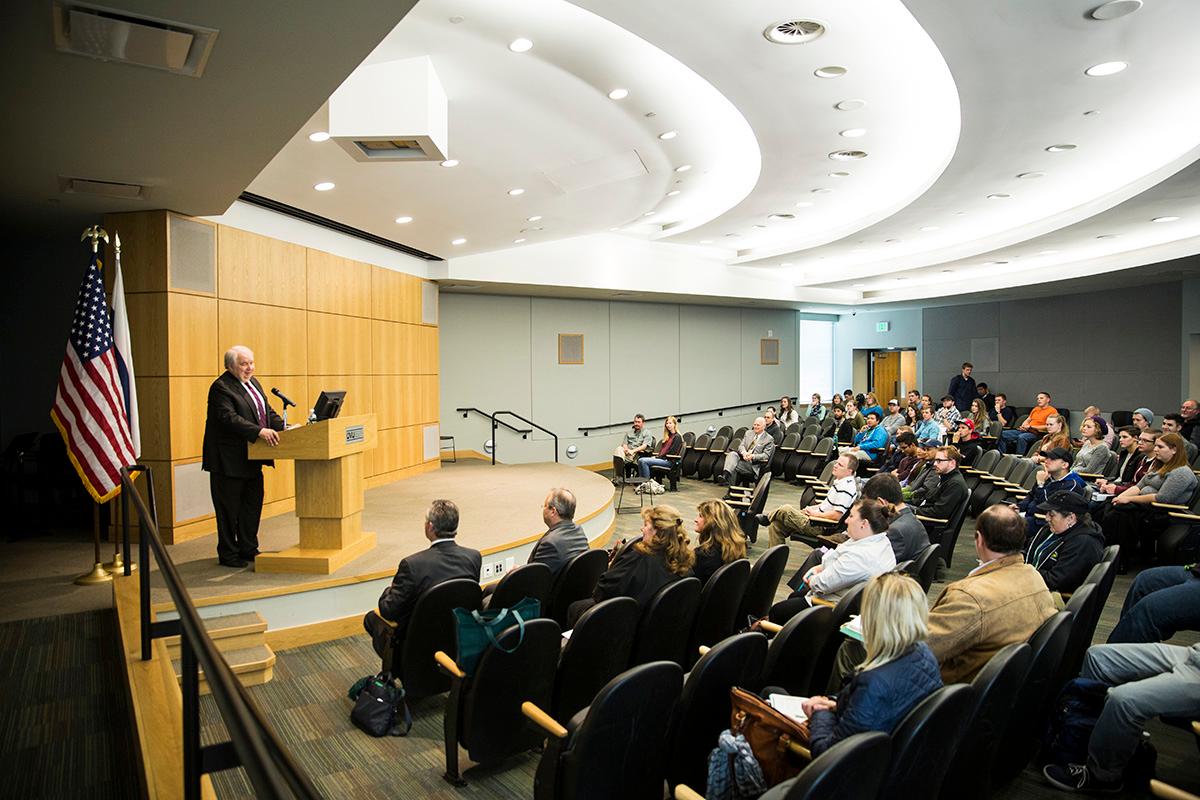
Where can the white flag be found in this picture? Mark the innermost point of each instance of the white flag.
(125, 358)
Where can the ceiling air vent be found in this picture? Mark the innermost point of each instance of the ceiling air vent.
(123, 191)
(112, 35)
(794, 31)
(847, 155)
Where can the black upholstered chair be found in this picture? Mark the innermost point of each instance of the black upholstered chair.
(1085, 604)
(720, 599)
(847, 606)
(747, 510)
(430, 629)
(785, 449)
(924, 743)
(704, 706)
(796, 458)
(817, 459)
(853, 769)
(597, 651)
(764, 581)
(795, 649)
(713, 460)
(691, 457)
(575, 581)
(924, 567)
(527, 580)
(666, 624)
(988, 482)
(982, 466)
(944, 533)
(616, 747)
(483, 710)
(996, 688)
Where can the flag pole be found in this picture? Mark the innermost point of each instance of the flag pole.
(117, 565)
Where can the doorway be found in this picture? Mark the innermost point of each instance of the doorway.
(892, 373)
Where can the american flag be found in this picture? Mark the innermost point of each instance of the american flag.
(89, 407)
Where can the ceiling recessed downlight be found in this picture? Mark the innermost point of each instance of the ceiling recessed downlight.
(706, 241)
(1115, 9)
(672, 193)
(839, 174)
(850, 105)
(1047, 252)
(403, 220)
(458, 241)
(853, 133)
(666, 136)
(520, 45)
(829, 72)
(515, 192)
(534, 218)
(1030, 175)
(998, 196)
(780, 217)
(450, 162)
(324, 186)
(1165, 219)
(794, 31)
(1105, 69)
(1059, 148)
(683, 167)
(804, 204)
(517, 241)
(618, 94)
(847, 155)
(821, 190)
(318, 136)
(928, 228)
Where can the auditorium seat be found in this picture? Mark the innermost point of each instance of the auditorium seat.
(616, 747)
(982, 466)
(528, 580)
(1179, 541)
(764, 581)
(924, 567)
(822, 453)
(597, 651)
(944, 533)
(988, 482)
(720, 599)
(483, 710)
(747, 510)
(575, 581)
(430, 629)
(795, 649)
(1121, 419)
(925, 741)
(691, 458)
(713, 460)
(1086, 603)
(822, 676)
(665, 626)
(785, 449)
(796, 458)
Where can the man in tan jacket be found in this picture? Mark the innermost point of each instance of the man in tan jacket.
(1002, 601)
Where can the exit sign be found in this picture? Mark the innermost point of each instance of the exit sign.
(883, 327)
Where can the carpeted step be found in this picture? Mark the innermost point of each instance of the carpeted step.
(230, 632)
(252, 665)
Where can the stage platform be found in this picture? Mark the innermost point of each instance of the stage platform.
(501, 516)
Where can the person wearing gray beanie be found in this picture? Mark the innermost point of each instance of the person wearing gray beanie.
(1147, 418)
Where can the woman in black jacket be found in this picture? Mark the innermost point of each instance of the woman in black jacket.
(1068, 546)
(721, 540)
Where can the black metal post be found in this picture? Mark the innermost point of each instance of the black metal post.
(191, 719)
(144, 591)
(493, 418)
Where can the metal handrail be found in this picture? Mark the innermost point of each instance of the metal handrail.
(465, 411)
(679, 417)
(527, 422)
(252, 743)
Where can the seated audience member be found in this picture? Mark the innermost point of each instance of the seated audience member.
(443, 560)
(1018, 439)
(836, 400)
(867, 551)
(840, 428)
(752, 453)
(787, 412)
(923, 477)
(635, 443)
(966, 438)
(843, 489)
(906, 533)
(1170, 480)
(871, 404)
(660, 557)
(1110, 436)
(892, 421)
(671, 445)
(847, 396)
(1134, 463)
(1056, 436)
(928, 430)
(816, 412)
(1003, 413)
(1066, 549)
(854, 416)
(979, 415)
(912, 415)
(563, 539)
(721, 539)
(896, 454)
(771, 426)
(1143, 419)
(909, 451)
(948, 415)
(962, 389)
(1161, 602)
(1093, 453)
(987, 400)
(1000, 602)
(914, 399)
(941, 499)
(871, 442)
(1145, 681)
(1173, 423)
(1055, 476)
(927, 402)
(1190, 411)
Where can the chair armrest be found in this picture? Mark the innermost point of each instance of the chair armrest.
(1039, 516)
(738, 503)
(1171, 506)
(1090, 476)
(385, 620)
(769, 627)
(543, 720)
(1159, 789)
(742, 489)
(670, 457)
(703, 650)
(685, 792)
(934, 520)
(823, 521)
(822, 601)
(799, 750)
(448, 666)
(1184, 516)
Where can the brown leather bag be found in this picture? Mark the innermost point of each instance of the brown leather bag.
(775, 738)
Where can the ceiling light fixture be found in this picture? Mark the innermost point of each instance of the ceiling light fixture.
(458, 241)
(515, 192)
(1114, 9)
(672, 193)
(804, 204)
(780, 217)
(450, 162)
(706, 241)
(520, 45)
(683, 167)
(1165, 219)
(998, 196)
(850, 105)
(821, 190)
(534, 218)
(1107, 236)
(618, 94)
(666, 136)
(1047, 252)
(403, 220)
(847, 155)
(929, 228)
(947, 270)
(1030, 175)
(517, 241)
(829, 72)
(853, 133)
(1059, 148)
(1105, 69)
(839, 174)
(318, 136)
(324, 186)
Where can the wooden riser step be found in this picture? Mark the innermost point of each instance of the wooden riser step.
(252, 665)
(229, 633)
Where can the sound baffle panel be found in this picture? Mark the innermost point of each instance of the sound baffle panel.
(193, 255)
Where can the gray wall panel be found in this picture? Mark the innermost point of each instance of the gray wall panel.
(644, 369)
(760, 382)
(566, 396)
(710, 350)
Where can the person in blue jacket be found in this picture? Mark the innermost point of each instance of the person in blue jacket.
(872, 440)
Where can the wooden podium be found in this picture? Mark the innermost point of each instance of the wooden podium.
(329, 493)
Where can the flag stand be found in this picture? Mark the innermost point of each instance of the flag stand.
(117, 565)
(98, 573)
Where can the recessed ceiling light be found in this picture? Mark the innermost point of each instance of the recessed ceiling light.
(517, 241)
(324, 186)
(786, 264)
(847, 155)
(1047, 252)
(780, 217)
(515, 192)
(850, 105)
(532, 229)
(804, 204)
(839, 174)
(821, 190)
(829, 72)
(672, 193)
(668, 135)
(858, 285)
(998, 196)
(648, 214)
(683, 167)
(928, 228)
(706, 241)
(1030, 175)
(1059, 148)
(403, 220)
(520, 45)
(1105, 69)
(890, 241)
(614, 229)
(318, 136)
(760, 227)
(1114, 9)
(534, 218)
(458, 241)
(853, 133)
(1165, 219)
(947, 270)
(1107, 236)
(450, 162)
(618, 94)
(902, 278)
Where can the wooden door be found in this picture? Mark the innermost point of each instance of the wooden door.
(885, 375)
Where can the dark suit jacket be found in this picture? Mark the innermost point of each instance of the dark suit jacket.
(559, 545)
(232, 423)
(441, 561)
(634, 574)
(944, 498)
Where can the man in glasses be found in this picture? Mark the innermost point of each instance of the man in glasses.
(944, 498)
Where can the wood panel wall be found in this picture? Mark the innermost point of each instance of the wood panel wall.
(314, 321)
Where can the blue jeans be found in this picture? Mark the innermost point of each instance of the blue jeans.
(644, 465)
(1161, 602)
(1022, 440)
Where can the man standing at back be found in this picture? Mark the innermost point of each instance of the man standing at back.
(962, 388)
(564, 539)
(444, 560)
(238, 415)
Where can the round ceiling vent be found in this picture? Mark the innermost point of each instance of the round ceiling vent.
(1115, 9)
(847, 155)
(794, 31)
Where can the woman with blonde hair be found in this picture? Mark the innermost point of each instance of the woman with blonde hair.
(1093, 453)
(721, 540)
(899, 670)
(1057, 435)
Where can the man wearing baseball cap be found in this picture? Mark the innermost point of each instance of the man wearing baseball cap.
(1070, 544)
(894, 418)
(1055, 476)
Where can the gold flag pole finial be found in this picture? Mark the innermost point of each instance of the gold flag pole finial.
(95, 233)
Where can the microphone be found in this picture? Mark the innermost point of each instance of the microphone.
(282, 396)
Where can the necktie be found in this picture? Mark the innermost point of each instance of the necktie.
(258, 405)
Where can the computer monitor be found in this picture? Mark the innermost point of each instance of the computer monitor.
(329, 404)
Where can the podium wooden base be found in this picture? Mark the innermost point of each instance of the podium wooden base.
(312, 561)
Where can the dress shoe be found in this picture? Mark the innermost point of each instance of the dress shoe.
(236, 563)
(762, 519)
(249, 556)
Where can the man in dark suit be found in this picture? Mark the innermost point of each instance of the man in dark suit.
(238, 414)
(564, 539)
(442, 561)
